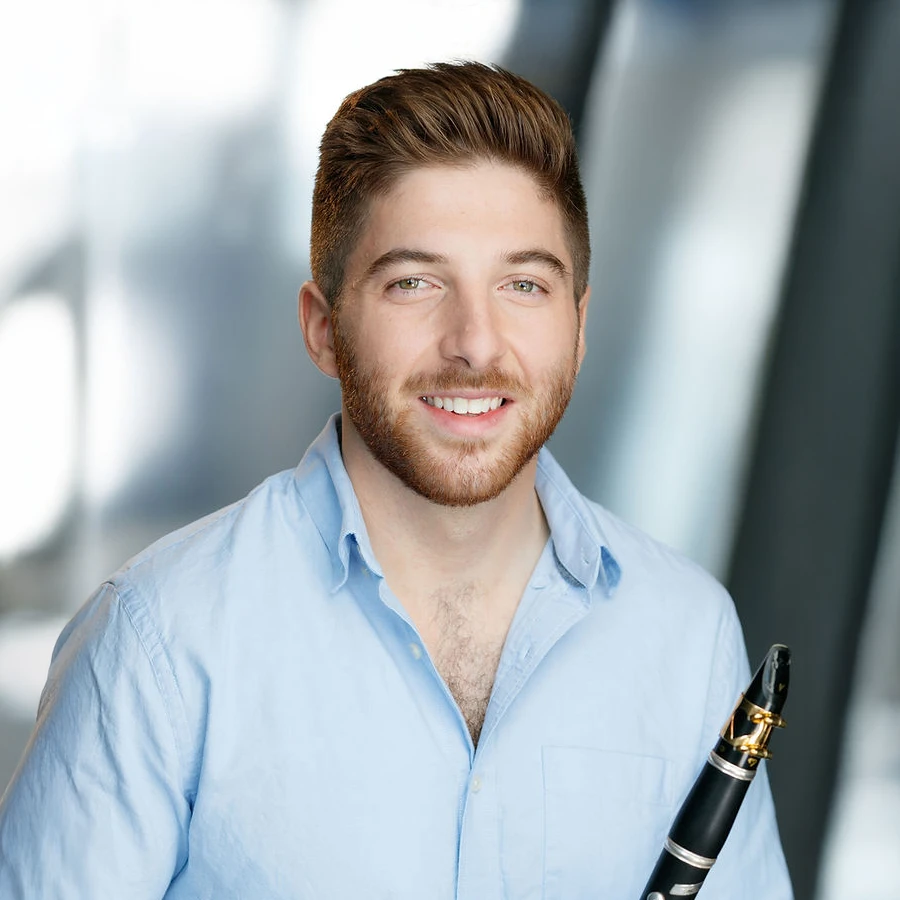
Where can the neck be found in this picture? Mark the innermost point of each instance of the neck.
(419, 543)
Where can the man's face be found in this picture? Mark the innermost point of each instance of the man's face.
(457, 338)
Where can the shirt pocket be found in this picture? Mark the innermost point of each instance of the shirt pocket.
(606, 815)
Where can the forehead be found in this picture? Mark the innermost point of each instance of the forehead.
(485, 207)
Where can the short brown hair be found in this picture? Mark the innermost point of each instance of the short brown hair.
(445, 114)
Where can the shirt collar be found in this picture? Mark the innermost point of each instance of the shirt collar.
(327, 493)
(578, 540)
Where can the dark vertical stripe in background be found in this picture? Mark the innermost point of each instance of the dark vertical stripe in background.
(556, 46)
(816, 492)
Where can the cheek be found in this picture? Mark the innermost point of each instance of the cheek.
(399, 342)
(393, 348)
(545, 348)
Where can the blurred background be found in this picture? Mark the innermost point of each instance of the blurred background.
(741, 395)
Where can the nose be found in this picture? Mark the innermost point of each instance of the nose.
(472, 330)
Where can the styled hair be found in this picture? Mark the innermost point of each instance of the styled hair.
(445, 114)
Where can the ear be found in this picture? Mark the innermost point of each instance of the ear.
(315, 322)
(582, 322)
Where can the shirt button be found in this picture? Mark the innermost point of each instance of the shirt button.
(476, 785)
(416, 651)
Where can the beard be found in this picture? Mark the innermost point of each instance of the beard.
(454, 471)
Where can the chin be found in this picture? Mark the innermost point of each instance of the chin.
(460, 482)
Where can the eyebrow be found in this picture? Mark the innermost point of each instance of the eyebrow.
(513, 258)
(542, 257)
(401, 255)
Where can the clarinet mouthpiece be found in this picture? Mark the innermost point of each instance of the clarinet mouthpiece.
(769, 686)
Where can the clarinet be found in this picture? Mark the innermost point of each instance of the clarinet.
(706, 816)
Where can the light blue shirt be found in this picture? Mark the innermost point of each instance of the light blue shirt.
(246, 711)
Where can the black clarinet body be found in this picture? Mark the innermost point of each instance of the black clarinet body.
(707, 814)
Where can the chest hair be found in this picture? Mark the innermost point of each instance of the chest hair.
(465, 645)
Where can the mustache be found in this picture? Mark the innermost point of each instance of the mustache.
(448, 379)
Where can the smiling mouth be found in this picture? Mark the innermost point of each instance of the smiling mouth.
(462, 406)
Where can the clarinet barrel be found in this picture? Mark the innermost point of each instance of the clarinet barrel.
(706, 816)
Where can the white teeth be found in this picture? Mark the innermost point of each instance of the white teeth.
(463, 406)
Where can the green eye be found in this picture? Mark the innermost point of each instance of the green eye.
(409, 284)
(525, 287)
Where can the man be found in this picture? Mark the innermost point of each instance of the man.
(421, 665)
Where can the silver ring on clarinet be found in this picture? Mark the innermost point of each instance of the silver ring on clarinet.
(692, 859)
(727, 768)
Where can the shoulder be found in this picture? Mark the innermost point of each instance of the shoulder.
(681, 621)
(644, 579)
(223, 573)
(221, 542)
(201, 603)
(648, 563)
(674, 608)
(272, 502)
(643, 562)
